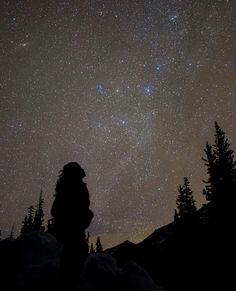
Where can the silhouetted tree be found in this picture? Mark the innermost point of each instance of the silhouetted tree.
(221, 168)
(12, 232)
(28, 222)
(99, 247)
(39, 214)
(185, 202)
(210, 162)
(0, 235)
(25, 225)
(30, 218)
(92, 250)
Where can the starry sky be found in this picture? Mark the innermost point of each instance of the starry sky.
(129, 89)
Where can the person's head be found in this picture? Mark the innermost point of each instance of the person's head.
(73, 169)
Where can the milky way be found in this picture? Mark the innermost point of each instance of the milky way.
(129, 89)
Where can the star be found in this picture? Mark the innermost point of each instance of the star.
(148, 90)
(173, 18)
(123, 122)
(23, 45)
(100, 89)
(158, 67)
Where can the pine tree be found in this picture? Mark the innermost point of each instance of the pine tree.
(210, 162)
(99, 247)
(221, 169)
(11, 236)
(92, 250)
(185, 202)
(25, 225)
(30, 219)
(39, 214)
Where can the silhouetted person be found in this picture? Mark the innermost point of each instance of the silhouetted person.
(71, 216)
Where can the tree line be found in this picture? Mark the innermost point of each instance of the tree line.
(220, 187)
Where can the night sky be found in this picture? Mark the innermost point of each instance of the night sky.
(129, 89)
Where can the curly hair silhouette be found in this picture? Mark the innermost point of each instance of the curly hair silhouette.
(71, 216)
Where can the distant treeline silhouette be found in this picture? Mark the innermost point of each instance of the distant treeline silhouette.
(34, 219)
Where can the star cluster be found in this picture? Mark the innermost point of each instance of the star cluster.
(129, 89)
